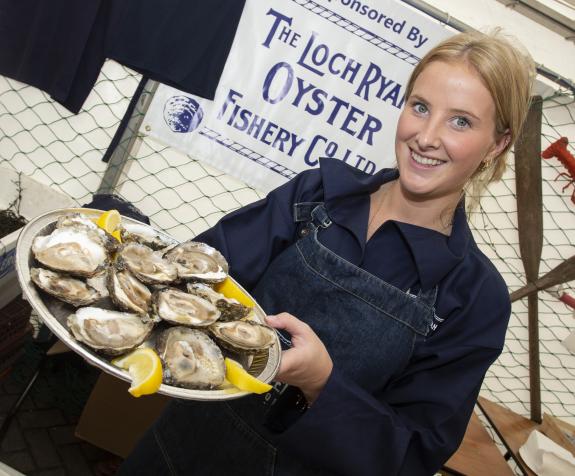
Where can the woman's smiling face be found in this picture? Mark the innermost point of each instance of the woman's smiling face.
(445, 131)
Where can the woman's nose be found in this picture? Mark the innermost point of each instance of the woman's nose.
(429, 135)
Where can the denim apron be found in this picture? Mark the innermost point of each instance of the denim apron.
(368, 326)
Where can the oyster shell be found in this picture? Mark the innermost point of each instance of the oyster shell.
(231, 309)
(145, 235)
(98, 282)
(146, 264)
(127, 292)
(198, 262)
(79, 222)
(66, 288)
(110, 332)
(244, 337)
(179, 307)
(71, 250)
(191, 359)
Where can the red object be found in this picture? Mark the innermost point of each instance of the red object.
(567, 299)
(559, 149)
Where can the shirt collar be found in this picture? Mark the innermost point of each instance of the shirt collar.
(341, 180)
(346, 196)
(434, 253)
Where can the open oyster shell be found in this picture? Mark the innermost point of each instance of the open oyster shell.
(231, 309)
(243, 337)
(110, 332)
(71, 290)
(191, 359)
(181, 308)
(127, 292)
(72, 250)
(198, 262)
(146, 264)
(145, 235)
(99, 283)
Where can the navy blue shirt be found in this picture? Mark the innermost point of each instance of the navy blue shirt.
(419, 418)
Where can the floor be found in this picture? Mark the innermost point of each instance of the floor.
(40, 440)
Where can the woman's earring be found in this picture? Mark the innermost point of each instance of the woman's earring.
(484, 165)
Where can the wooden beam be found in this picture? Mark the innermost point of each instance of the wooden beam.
(512, 429)
(478, 454)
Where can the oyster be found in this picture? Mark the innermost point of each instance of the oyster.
(244, 337)
(191, 359)
(231, 309)
(98, 282)
(179, 307)
(127, 292)
(146, 264)
(110, 332)
(198, 262)
(66, 288)
(79, 222)
(145, 235)
(71, 250)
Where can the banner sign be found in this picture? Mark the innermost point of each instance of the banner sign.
(304, 80)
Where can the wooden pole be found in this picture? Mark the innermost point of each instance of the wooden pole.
(530, 224)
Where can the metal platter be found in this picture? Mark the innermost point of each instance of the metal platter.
(54, 313)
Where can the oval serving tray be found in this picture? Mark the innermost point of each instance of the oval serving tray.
(54, 313)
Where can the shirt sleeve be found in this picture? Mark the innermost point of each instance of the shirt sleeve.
(252, 236)
(410, 427)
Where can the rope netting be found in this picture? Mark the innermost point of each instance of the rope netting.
(44, 141)
(496, 232)
(184, 196)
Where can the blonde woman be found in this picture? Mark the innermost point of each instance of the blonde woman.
(389, 312)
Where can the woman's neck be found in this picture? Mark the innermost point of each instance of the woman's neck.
(436, 214)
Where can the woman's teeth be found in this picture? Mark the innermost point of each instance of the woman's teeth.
(424, 160)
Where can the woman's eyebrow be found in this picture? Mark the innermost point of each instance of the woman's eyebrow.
(418, 97)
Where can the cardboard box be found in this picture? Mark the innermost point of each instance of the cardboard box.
(114, 420)
(36, 199)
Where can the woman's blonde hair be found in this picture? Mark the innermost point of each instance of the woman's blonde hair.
(508, 73)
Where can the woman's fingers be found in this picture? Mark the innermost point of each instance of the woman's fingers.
(289, 323)
(307, 364)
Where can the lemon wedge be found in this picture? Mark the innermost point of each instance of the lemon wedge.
(145, 368)
(110, 222)
(117, 234)
(239, 378)
(231, 290)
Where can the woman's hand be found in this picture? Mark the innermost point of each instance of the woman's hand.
(307, 364)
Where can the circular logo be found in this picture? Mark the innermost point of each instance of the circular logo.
(182, 114)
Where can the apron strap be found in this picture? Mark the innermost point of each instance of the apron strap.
(302, 211)
(320, 217)
(312, 214)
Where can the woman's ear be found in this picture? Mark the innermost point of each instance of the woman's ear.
(500, 144)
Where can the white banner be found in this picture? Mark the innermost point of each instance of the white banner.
(304, 80)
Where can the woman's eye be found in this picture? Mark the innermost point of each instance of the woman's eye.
(461, 122)
(420, 108)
